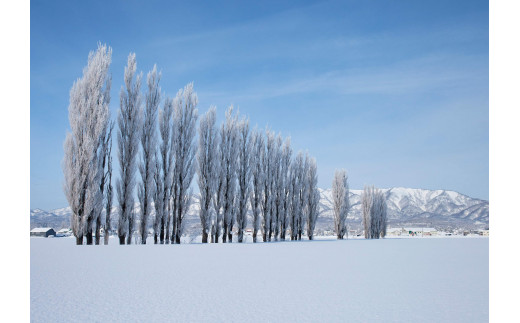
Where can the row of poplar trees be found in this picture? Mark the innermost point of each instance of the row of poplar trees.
(237, 168)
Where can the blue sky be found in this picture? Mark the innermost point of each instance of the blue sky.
(394, 92)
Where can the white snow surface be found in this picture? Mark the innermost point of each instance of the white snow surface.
(388, 280)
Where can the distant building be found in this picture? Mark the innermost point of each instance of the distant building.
(64, 233)
(420, 231)
(43, 232)
(484, 233)
(394, 231)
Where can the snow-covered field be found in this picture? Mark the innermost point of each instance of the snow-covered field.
(390, 280)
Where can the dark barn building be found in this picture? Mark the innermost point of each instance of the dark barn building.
(43, 232)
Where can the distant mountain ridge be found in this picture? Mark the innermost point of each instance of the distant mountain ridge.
(406, 206)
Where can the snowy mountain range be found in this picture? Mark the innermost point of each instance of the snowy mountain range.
(406, 206)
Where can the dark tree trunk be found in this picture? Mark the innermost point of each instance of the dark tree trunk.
(98, 230)
(212, 238)
(167, 230)
(79, 240)
(161, 233)
(107, 237)
(264, 237)
(204, 237)
(155, 238)
(89, 238)
(311, 237)
(230, 237)
(254, 238)
(121, 239)
(173, 236)
(178, 229)
(224, 234)
(130, 229)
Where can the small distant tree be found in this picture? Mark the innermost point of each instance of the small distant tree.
(380, 209)
(366, 206)
(340, 197)
(374, 212)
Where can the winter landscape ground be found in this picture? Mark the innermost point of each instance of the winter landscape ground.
(355, 280)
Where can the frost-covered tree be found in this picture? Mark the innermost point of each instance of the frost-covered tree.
(104, 162)
(109, 189)
(184, 150)
(157, 198)
(383, 211)
(298, 195)
(374, 209)
(286, 185)
(303, 195)
(341, 203)
(88, 117)
(206, 170)
(313, 197)
(380, 212)
(295, 189)
(366, 207)
(216, 218)
(267, 163)
(129, 123)
(145, 189)
(243, 175)
(163, 175)
(257, 177)
(228, 166)
(276, 189)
